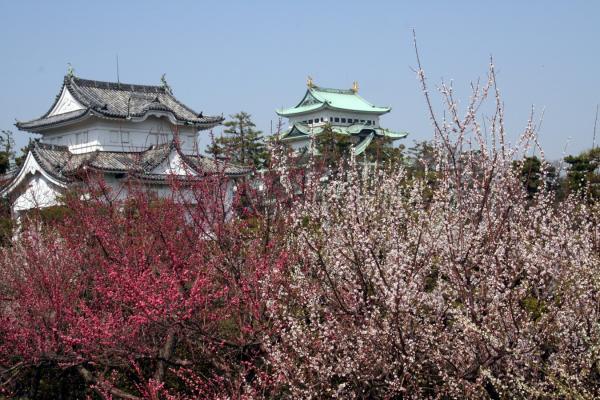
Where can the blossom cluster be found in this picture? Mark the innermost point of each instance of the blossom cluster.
(354, 280)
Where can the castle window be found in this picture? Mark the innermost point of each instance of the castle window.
(337, 119)
(343, 120)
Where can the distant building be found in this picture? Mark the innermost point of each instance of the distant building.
(119, 130)
(343, 110)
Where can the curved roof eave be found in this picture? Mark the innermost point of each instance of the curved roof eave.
(290, 113)
(112, 100)
(93, 113)
(171, 116)
(30, 167)
(29, 126)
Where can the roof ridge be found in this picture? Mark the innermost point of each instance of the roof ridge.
(49, 146)
(131, 87)
(333, 90)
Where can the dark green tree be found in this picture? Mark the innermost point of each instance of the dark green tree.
(382, 150)
(7, 145)
(333, 147)
(420, 160)
(531, 173)
(242, 143)
(584, 173)
(6, 155)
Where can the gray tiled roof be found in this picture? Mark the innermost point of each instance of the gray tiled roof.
(59, 162)
(120, 101)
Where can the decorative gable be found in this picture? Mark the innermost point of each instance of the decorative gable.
(33, 186)
(309, 99)
(66, 103)
(174, 165)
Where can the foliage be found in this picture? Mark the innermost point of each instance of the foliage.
(334, 149)
(7, 145)
(242, 143)
(452, 273)
(471, 292)
(6, 223)
(533, 173)
(583, 174)
(138, 298)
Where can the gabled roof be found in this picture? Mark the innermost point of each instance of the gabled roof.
(63, 165)
(318, 98)
(119, 101)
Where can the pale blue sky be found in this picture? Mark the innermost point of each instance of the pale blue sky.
(227, 56)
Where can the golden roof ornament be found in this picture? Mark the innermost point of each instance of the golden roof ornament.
(355, 87)
(309, 82)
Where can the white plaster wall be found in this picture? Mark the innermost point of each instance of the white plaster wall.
(37, 192)
(106, 135)
(328, 114)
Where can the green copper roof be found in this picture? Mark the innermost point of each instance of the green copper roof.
(300, 131)
(363, 144)
(317, 98)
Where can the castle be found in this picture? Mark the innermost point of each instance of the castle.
(144, 132)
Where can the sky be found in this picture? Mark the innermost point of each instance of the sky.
(221, 57)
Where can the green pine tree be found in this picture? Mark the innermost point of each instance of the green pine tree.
(334, 147)
(242, 143)
(7, 145)
(530, 171)
(584, 173)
